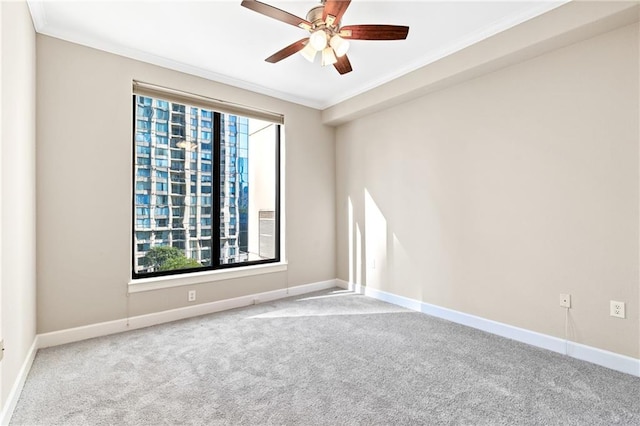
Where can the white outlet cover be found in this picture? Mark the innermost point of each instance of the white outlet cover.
(617, 309)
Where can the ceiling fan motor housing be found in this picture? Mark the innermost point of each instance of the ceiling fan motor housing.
(315, 17)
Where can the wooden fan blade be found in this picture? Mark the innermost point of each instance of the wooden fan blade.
(287, 51)
(275, 13)
(374, 32)
(343, 65)
(334, 9)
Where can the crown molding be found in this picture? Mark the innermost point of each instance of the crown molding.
(37, 9)
(38, 15)
(572, 22)
(471, 39)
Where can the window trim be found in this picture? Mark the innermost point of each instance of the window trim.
(154, 91)
(219, 271)
(200, 277)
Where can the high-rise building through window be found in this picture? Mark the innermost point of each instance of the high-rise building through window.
(202, 182)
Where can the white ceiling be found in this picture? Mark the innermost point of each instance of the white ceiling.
(223, 41)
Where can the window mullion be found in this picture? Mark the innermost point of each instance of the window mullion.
(216, 191)
(277, 200)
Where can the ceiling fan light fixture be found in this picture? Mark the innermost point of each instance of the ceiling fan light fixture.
(340, 45)
(318, 40)
(308, 52)
(328, 57)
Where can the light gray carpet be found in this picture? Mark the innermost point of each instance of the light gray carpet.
(322, 359)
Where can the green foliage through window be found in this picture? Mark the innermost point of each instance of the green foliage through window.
(167, 258)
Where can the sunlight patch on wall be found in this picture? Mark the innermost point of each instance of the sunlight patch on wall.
(375, 242)
(350, 227)
(359, 275)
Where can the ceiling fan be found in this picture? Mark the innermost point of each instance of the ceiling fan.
(326, 34)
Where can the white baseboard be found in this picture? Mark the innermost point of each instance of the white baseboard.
(350, 286)
(76, 334)
(597, 356)
(16, 390)
(343, 284)
(586, 353)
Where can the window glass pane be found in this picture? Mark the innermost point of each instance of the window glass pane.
(178, 208)
(159, 234)
(142, 136)
(143, 186)
(162, 114)
(248, 180)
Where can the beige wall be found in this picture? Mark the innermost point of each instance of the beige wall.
(490, 197)
(572, 22)
(495, 195)
(84, 188)
(17, 231)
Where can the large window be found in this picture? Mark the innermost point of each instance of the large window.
(206, 187)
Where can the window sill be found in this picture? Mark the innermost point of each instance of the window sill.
(157, 283)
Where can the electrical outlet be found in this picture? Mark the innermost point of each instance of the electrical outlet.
(191, 296)
(616, 309)
(565, 300)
